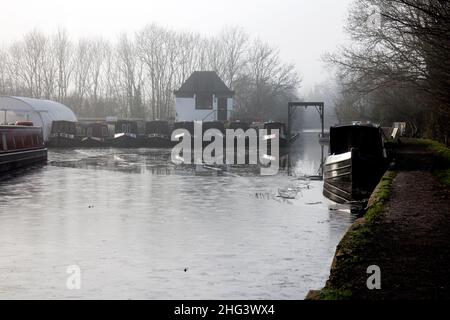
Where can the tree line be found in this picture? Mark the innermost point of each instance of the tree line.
(397, 66)
(135, 76)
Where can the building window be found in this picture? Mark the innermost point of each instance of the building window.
(204, 102)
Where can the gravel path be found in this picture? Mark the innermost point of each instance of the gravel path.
(414, 238)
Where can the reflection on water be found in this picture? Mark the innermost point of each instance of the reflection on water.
(133, 222)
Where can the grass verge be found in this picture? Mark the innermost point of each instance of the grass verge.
(442, 165)
(351, 250)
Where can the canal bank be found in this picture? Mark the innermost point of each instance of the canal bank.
(405, 232)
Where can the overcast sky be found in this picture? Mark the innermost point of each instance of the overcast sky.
(302, 29)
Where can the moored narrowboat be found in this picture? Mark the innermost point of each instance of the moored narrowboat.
(217, 125)
(281, 127)
(63, 135)
(126, 134)
(236, 125)
(95, 135)
(186, 125)
(21, 145)
(213, 125)
(356, 163)
(240, 129)
(157, 134)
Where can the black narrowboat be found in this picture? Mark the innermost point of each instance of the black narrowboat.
(95, 135)
(126, 134)
(281, 127)
(157, 134)
(186, 125)
(21, 145)
(63, 135)
(218, 125)
(356, 163)
(236, 125)
(213, 125)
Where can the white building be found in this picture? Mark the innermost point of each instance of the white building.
(41, 112)
(204, 97)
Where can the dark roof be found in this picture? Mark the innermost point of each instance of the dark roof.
(204, 82)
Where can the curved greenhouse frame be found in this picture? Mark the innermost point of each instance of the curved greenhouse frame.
(41, 112)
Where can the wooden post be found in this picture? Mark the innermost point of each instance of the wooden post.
(322, 116)
(289, 125)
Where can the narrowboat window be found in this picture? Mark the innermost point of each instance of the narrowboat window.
(104, 131)
(89, 131)
(10, 145)
(3, 142)
(28, 142)
(125, 128)
(11, 142)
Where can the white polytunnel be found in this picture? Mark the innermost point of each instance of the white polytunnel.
(41, 112)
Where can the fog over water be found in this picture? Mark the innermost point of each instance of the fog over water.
(303, 29)
(140, 227)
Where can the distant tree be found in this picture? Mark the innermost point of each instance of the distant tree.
(406, 49)
(136, 76)
(267, 85)
(63, 55)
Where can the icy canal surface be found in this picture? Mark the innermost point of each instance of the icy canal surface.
(139, 227)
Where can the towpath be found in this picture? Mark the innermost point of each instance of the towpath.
(410, 242)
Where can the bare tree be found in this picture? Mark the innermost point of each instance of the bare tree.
(63, 56)
(136, 76)
(234, 42)
(407, 47)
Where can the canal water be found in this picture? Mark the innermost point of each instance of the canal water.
(139, 227)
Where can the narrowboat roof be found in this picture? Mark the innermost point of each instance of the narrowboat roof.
(18, 127)
(239, 125)
(213, 125)
(97, 124)
(274, 123)
(358, 125)
(157, 121)
(366, 137)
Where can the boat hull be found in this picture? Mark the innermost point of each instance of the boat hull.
(18, 159)
(63, 141)
(126, 141)
(156, 141)
(351, 176)
(92, 142)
